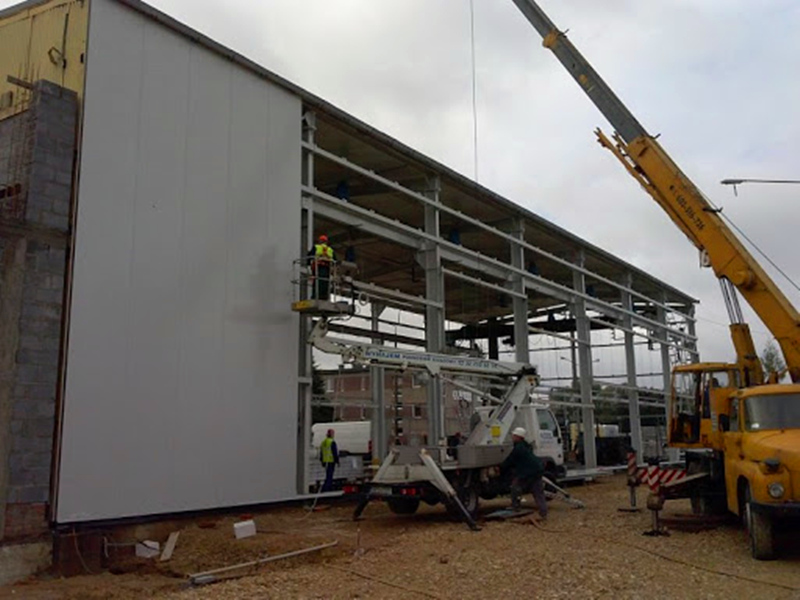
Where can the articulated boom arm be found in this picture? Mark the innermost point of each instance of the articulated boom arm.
(434, 363)
(651, 166)
(498, 424)
(496, 427)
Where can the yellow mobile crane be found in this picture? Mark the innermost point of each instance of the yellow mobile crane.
(742, 438)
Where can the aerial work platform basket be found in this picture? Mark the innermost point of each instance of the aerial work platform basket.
(323, 292)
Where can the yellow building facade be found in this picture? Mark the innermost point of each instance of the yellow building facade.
(42, 40)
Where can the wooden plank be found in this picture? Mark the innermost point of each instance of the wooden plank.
(208, 576)
(169, 547)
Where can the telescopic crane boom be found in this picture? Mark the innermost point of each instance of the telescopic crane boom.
(651, 166)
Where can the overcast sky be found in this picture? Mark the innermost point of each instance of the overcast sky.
(717, 78)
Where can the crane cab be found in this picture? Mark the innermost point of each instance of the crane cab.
(701, 393)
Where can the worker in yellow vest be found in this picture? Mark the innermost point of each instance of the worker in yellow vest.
(322, 258)
(329, 457)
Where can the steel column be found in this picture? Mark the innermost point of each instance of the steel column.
(520, 304)
(691, 328)
(431, 261)
(666, 363)
(305, 363)
(666, 367)
(630, 368)
(584, 336)
(377, 378)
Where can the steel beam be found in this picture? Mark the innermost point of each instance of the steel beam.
(367, 220)
(397, 187)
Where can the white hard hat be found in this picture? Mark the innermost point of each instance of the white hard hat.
(520, 431)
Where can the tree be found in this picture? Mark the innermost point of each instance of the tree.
(772, 361)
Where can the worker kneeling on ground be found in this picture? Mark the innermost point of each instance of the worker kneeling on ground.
(526, 472)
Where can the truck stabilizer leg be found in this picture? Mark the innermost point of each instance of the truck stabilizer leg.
(362, 504)
(440, 481)
(464, 512)
(562, 494)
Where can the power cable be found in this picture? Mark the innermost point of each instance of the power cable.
(80, 555)
(474, 87)
(752, 243)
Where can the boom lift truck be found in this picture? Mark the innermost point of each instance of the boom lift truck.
(456, 475)
(742, 438)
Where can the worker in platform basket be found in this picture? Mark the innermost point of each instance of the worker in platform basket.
(526, 470)
(321, 259)
(329, 456)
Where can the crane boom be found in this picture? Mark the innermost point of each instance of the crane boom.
(648, 162)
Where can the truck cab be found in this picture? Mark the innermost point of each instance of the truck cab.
(761, 434)
(700, 395)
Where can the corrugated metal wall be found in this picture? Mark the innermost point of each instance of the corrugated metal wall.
(181, 379)
(44, 41)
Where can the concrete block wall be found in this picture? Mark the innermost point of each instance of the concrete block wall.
(32, 271)
(14, 162)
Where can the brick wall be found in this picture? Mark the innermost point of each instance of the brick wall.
(33, 267)
(350, 394)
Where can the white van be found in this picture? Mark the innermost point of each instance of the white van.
(352, 437)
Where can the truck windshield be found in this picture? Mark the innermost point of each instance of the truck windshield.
(775, 411)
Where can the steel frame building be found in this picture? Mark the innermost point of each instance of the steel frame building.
(177, 282)
(433, 238)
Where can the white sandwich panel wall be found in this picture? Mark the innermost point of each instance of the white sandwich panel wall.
(182, 352)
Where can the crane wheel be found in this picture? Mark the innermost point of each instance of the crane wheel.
(759, 530)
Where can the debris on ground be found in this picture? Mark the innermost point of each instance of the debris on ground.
(597, 552)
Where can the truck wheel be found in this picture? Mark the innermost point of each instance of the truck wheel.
(469, 498)
(759, 529)
(403, 506)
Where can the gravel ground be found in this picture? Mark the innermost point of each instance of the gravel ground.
(597, 552)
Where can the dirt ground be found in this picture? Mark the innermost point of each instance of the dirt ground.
(597, 552)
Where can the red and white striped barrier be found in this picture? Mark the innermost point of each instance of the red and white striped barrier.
(632, 468)
(654, 476)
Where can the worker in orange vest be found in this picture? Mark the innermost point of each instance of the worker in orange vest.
(322, 258)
